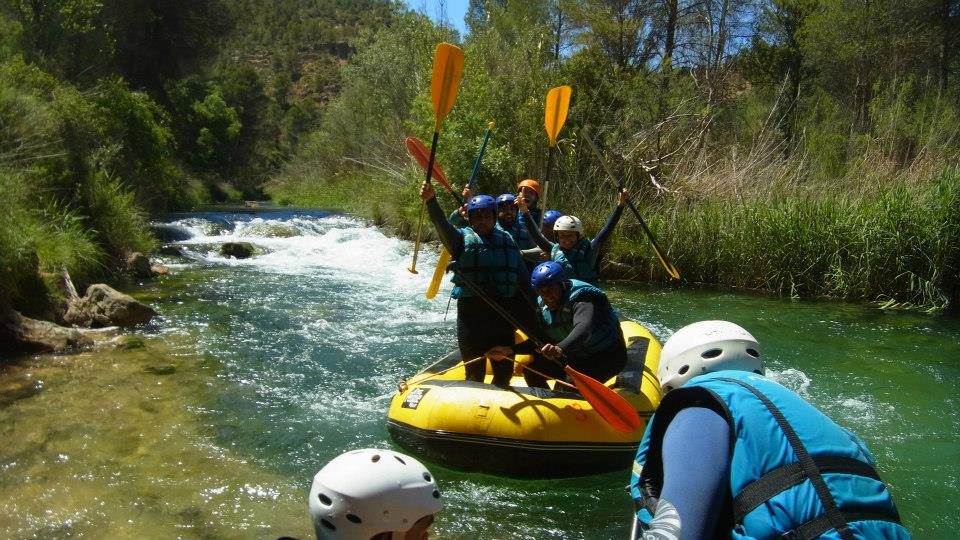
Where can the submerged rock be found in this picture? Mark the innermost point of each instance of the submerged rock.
(171, 250)
(239, 250)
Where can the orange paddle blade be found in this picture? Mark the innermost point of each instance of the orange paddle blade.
(418, 150)
(611, 406)
(558, 104)
(447, 72)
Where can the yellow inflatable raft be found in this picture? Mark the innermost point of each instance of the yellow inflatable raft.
(521, 431)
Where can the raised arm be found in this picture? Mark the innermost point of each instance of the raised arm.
(533, 228)
(449, 235)
(604, 234)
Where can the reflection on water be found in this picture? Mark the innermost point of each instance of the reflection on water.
(260, 370)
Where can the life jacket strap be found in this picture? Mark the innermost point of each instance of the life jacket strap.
(817, 527)
(783, 478)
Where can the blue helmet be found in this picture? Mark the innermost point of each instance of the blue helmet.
(546, 274)
(506, 198)
(480, 202)
(550, 216)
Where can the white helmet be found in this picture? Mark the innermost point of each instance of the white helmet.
(705, 347)
(362, 493)
(568, 223)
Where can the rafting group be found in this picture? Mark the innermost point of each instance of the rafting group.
(549, 381)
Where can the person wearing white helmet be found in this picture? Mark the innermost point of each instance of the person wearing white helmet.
(373, 494)
(731, 453)
(578, 255)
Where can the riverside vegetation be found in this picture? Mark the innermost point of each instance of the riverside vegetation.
(804, 147)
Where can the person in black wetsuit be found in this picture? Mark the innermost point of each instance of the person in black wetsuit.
(577, 254)
(486, 258)
(582, 329)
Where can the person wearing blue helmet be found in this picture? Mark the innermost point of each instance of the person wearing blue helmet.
(549, 218)
(487, 258)
(582, 329)
(507, 215)
(579, 256)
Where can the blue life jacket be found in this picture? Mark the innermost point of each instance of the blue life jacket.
(605, 334)
(520, 235)
(535, 213)
(794, 473)
(577, 262)
(491, 263)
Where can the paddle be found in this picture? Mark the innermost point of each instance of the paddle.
(476, 164)
(555, 114)
(447, 71)
(667, 265)
(416, 148)
(445, 256)
(612, 407)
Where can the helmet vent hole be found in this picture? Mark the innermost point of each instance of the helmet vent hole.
(326, 523)
(375, 458)
(353, 518)
(436, 494)
(753, 353)
(324, 500)
(683, 370)
(400, 460)
(712, 353)
(758, 372)
(426, 476)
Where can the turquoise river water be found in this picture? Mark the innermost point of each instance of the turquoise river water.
(259, 371)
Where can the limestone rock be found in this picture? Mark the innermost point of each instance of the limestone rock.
(105, 306)
(23, 334)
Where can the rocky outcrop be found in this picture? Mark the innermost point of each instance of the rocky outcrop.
(23, 334)
(105, 306)
(239, 250)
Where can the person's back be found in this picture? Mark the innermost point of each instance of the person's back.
(730, 451)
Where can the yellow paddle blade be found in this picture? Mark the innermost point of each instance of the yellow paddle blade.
(558, 104)
(447, 72)
(438, 273)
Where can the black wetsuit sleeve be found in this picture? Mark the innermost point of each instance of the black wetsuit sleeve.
(582, 325)
(449, 235)
(527, 347)
(604, 234)
(536, 235)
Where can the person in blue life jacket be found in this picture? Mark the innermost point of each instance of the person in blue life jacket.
(577, 254)
(507, 219)
(373, 494)
(582, 329)
(528, 190)
(731, 453)
(486, 258)
(549, 218)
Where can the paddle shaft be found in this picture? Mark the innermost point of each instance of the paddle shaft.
(498, 308)
(546, 181)
(476, 164)
(667, 265)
